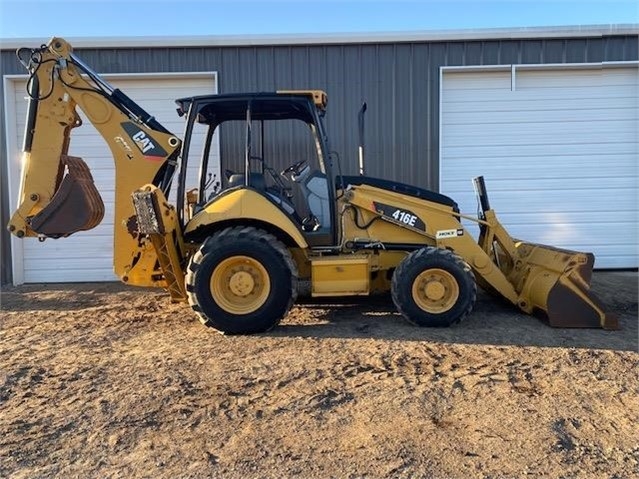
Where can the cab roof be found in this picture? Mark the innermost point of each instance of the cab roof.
(285, 104)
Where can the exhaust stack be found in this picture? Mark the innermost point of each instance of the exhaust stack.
(360, 121)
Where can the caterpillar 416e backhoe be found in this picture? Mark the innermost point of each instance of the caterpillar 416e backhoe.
(241, 252)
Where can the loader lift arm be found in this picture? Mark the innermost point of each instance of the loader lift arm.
(57, 194)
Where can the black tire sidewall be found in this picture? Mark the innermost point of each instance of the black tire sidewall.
(403, 288)
(276, 304)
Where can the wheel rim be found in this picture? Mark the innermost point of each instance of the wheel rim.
(435, 290)
(240, 284)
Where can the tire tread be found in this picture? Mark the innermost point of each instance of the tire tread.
(230, 235)
(400, 293)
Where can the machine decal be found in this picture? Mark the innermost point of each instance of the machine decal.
(399, 215)
(144, 142)
(449, 233)
(125, 146)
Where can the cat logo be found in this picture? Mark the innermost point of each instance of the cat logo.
(144, 142)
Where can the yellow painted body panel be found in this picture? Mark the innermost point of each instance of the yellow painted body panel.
(437, 218)
(340, 276)
(245, 204)
(320, 99)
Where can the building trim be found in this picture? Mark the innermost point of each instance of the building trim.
(542, 66)
(13, 180)
(575, 31)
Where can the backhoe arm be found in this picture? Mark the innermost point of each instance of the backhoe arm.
(57, 194)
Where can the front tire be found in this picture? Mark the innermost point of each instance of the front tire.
(434, 287)
(242, 280)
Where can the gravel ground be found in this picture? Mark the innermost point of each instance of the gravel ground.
(108, 381)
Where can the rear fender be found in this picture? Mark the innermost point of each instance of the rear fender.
(248, 205)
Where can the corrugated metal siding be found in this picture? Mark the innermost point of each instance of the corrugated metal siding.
(400, 82)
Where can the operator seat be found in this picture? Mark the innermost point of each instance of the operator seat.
(256, 179)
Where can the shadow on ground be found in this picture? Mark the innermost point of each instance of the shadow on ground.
(493, 321)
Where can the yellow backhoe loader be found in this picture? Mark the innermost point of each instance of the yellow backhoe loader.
(239, 248)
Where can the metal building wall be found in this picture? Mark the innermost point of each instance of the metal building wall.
(399, 81)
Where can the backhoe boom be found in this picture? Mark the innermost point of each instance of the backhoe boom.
(57, 193)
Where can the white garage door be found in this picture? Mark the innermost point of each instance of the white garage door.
(87, 256)
(558, 148)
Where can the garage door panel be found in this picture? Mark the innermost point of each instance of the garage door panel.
(600, 202)
(577, 185)
(562, 233)
(78, 274)
(70, 263)
(476, 81)
(88, 256)
(559, 155)
(577, 237)
(594, 147)
(587, 160)
(585, 167)
(503, 103)
(486, 97)
(542, 116)
(84, 242)
(616, 131)
(576, 78)
(610, 218)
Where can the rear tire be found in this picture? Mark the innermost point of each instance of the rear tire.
(434, 287)
(242, 280)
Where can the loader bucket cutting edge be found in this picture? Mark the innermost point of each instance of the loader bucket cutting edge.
(557, 282)
(570, 306)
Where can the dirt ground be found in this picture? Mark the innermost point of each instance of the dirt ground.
(104, 380)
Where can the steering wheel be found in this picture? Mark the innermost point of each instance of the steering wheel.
(295, 168)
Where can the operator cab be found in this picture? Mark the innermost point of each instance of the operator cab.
(273, 143)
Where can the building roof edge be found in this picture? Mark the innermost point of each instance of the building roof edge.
(575, 31)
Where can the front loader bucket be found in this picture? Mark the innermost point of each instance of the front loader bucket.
(75, 206)
(557, 282)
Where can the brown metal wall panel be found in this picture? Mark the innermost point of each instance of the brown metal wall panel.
(399, 81)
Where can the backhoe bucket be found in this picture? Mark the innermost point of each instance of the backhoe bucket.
(557, 282)
(75, 206)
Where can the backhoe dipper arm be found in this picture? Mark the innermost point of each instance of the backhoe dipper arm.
(57, 194)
